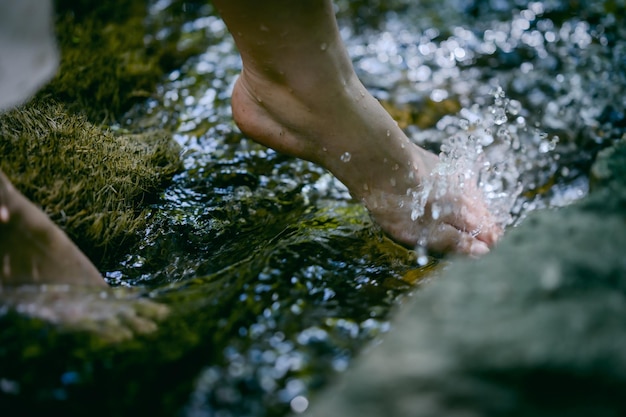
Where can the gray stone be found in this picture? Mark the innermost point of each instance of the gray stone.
(536, 328)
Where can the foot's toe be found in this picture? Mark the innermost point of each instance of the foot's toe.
(445, 238)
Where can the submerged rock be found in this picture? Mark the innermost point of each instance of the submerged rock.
(535, 328)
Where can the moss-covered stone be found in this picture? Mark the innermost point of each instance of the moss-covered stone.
(91, 182)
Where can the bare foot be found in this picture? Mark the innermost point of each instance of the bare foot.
(113, 315)
(33, 250)
(43, 275)
(341, 127)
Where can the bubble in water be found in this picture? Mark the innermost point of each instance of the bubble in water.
(345, 157)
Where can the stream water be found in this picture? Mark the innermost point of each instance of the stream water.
(275, 278)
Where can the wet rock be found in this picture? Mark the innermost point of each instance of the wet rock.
(535, 328)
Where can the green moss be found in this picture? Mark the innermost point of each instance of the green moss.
(90, 181)
(110, 60)
(105, 67)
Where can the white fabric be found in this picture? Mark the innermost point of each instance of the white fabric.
(28, 51)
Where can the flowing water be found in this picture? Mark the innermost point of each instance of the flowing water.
(274, 277)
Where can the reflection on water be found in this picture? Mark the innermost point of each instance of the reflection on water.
(275, 278)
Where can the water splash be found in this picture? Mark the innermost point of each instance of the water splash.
(490, 149)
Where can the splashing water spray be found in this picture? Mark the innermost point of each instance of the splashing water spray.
(491, 150)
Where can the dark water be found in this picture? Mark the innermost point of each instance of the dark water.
(275, 279)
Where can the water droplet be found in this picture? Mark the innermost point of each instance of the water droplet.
(366, 187)
(324, 149)
(299, 404)
(435, 211)
(395, 167)
(422, 255)
(388, 133)
(514, 107)
(324, 46)
(548, 146)
(4, 214)
(499, 116)
(551, 277)
(346, 157)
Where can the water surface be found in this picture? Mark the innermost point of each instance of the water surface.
(275, 278)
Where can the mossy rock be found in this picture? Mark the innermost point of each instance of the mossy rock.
(90, 181)
(110, 60)
(105, 67)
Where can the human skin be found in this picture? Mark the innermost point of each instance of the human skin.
(298, 93)
(33, 250)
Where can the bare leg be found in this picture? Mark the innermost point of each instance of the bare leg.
(298, 94)
(33, 250)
